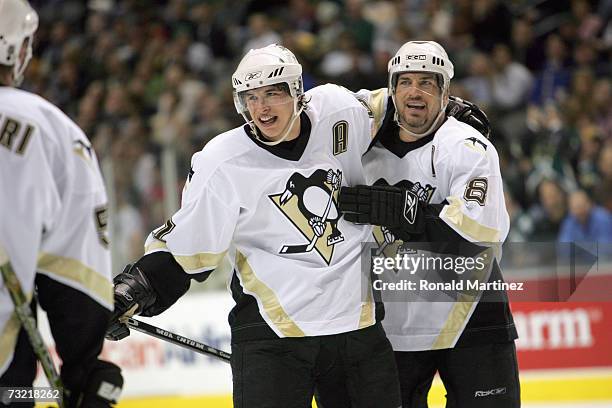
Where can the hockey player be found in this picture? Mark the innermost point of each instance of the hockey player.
(436, 180)
(53, 229)
(264, 196)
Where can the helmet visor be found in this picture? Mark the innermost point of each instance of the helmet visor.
(426, 82)
(271, 95)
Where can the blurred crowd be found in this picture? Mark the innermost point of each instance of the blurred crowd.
(144, 76)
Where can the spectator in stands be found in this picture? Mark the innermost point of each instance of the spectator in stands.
(521, 225)
(491, 17)
(601, 102)
(586, 222)
(586, 161)
(525, 49)
(106, 65)
(478, 83)
(549, 213)
(603, 189)
(359, 28)
(511, 80)
(260, 33)
(552, 83)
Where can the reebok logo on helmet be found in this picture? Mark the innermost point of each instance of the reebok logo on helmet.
(252, 75)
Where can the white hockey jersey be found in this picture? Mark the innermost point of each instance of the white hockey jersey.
(460, 166)
(277, 219)
(53, 206)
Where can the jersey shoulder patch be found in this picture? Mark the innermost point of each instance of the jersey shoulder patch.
(454, 136)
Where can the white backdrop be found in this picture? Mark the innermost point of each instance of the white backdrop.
(154, 367)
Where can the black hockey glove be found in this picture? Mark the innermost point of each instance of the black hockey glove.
(101, 388)
(387, 206)
(468, 112)
(133, 295)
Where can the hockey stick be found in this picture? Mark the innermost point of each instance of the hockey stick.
(301, 248)
(178, 340)
(24, 315)
(382, 248)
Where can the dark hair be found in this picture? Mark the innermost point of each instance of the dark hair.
(4, 70)
(281, 86)
(439, 78)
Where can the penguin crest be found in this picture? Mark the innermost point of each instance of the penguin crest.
(311, 205)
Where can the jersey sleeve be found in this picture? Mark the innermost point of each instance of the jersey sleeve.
(28, 197)
(376, 104)
(476, 208)
(199, 234)
(75, 248)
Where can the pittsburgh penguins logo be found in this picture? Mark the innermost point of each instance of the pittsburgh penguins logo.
(386, 240)
(310, 203)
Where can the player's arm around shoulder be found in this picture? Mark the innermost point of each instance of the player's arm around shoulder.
(375, 102)
(360, 110)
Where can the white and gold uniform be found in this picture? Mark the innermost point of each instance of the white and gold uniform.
(53, 207)
(273, 212)
(457, 170)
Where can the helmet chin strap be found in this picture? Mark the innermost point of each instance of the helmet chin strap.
(434, 125)
(19, 68)
(286, 130)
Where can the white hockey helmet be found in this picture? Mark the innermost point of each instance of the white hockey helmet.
(420, 56)
(18, 23)
(270, 65)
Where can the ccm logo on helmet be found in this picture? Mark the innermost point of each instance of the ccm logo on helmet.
(252, 75)
(416, 57)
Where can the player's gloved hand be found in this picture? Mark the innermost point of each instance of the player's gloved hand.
(100, 389)
(468, 112)
(388, 206)
(133, 294)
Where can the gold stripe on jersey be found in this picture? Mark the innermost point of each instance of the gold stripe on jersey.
(460, 313)
(377, 105)
(189, 263)
(455, 322)
(455, 217)
(366, 318)
(272, 307)
(155, 245)
(8, 338)
(199, 261)
(367, 313)
(79, 273)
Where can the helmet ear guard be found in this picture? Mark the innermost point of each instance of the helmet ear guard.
(18, 23)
